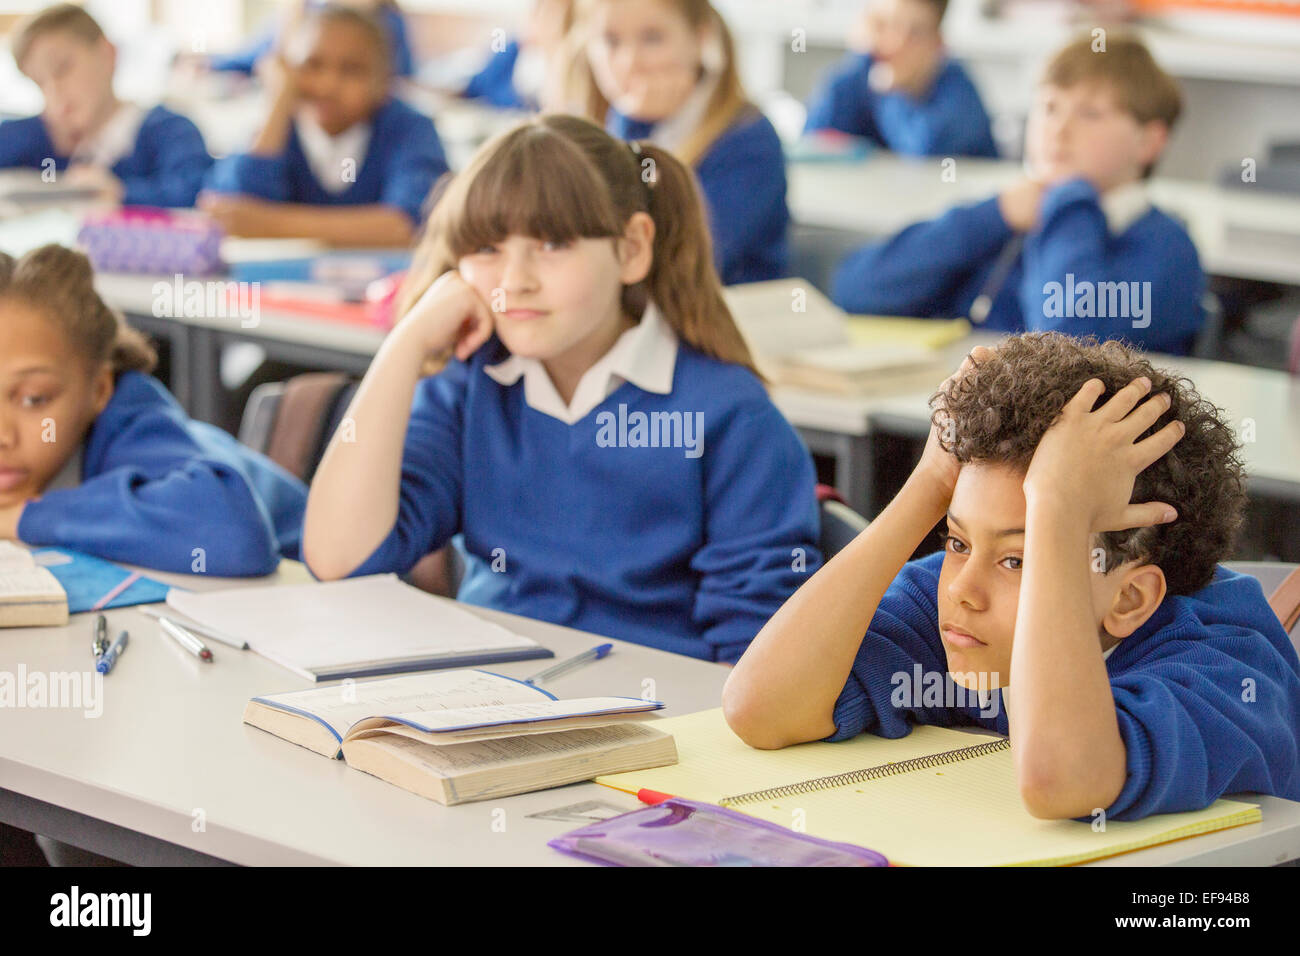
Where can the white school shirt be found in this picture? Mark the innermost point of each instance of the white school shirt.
(984, 698)
(115, 139)
(1124, 206)
(326, 154)
(644, 355)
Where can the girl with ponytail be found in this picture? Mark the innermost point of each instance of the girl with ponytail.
(665, 71)
(595, 431)
(96, 455)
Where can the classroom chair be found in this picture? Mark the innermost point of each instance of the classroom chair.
(840, 523)
(1209, 340)
(1281, 581)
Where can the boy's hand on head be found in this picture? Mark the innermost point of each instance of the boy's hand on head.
(937, 466)
(1020, 203)
(450, 317)
(862, 35)
(1088, 461)
(277, 77)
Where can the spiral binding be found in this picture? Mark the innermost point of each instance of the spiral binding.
(870, 773)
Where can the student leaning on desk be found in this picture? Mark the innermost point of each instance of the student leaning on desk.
(96, 455)
(1088, 498)
(1075, 246)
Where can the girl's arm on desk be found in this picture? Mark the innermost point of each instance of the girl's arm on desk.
(356, 493)
(376, 224)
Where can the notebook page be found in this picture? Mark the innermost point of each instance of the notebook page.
(714, 763)
(969, 813)
(424, 693)
(317, 626)
(963, 813)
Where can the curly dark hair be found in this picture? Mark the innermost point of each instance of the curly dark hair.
(998, 411)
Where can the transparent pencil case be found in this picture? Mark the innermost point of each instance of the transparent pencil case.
(682, 832)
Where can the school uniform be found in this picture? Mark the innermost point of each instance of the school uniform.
(158, 155)
(394, 158)
(245, 60)
(669, 503)
(149, 486)
(1112, 266)
(949, 119)
(1190, 732)
(496, 85)
(742, 178)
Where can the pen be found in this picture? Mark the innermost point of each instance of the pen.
(105, 663)
(983, 304)
(185, 639)
(99, 642)
(198, 629)
(555, 670)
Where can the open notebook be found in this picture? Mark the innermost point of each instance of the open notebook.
(936, 797)
(466, 735)
(359, 627)
(801, 338)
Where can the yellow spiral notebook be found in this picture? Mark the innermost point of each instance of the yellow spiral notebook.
(936, 797)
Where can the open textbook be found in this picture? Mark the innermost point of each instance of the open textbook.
(30, 596)
(464, 735)
(800, 338)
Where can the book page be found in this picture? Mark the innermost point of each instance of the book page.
(524, 711)
(515, 751)
(14, 558)
(345, 623)
(31, 585)
(342, 705)
(785, 315)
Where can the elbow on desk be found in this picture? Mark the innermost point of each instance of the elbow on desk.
(750, 720)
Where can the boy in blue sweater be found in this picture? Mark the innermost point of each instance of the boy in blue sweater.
(1075, 246)
(338, 159)
(96, 455)
(900, 90)
(126, 153)
(1088, 497)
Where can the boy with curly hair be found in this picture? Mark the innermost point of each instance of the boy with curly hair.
(1089, 498)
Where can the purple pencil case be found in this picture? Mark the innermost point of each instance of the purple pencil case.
(142, 239)
(682, 832)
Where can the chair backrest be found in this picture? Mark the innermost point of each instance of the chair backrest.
(840, 525)
(292, 422)
(1209, 339)
(1281, 582)
(1293, 366)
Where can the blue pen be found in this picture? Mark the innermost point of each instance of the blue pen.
(105, 663)
(555, 670)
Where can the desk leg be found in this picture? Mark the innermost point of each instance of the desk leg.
(203, 365)
(854, 477)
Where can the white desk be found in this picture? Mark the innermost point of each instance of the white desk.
(170, 745)
(1238, 232)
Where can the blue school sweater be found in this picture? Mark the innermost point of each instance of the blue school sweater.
(949, 120)
(573, 524)
(244, 60)
(166, 167)
(1062, 279)
(1191, 730)
(403, 160)
(742, 177)
(495, 83)
(156, 485)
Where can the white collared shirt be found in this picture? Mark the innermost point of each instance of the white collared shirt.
(115, 139)
(644, 355)
(1124, 205)
(1006, 704)
(327, 154)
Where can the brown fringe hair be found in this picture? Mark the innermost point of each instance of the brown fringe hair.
(60, 284)
(560, 178)
(60, 18)
(729, 100)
